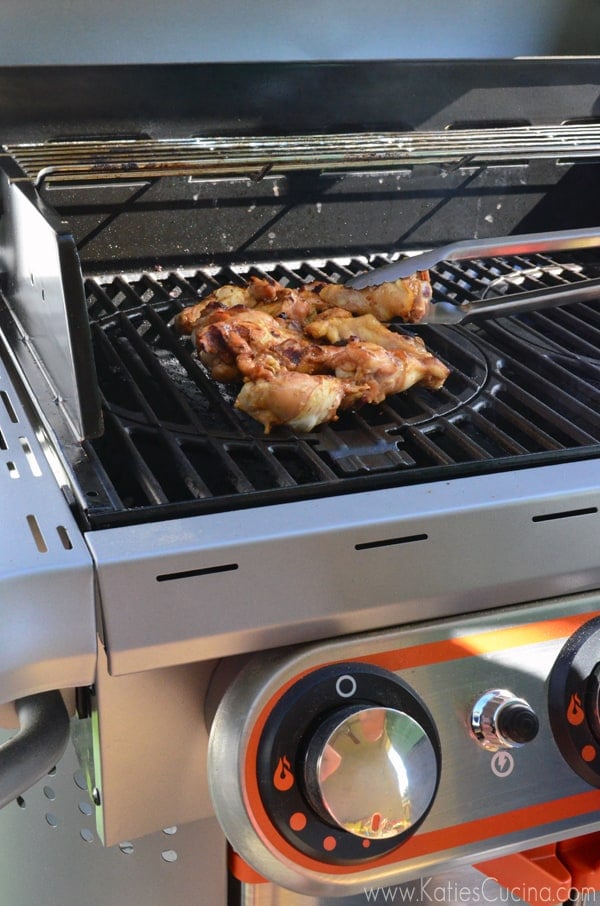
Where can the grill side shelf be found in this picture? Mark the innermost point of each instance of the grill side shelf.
(47, 609)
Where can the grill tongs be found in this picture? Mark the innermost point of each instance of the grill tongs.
(443, 312)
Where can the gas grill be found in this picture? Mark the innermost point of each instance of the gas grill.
(229, 606)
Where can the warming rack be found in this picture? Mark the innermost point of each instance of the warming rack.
(255, 156)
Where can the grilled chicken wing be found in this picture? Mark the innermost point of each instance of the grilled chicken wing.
(224, 297)
(294, 305)
(338, 326)
(386, 371)
(301, 401)
(408, 299)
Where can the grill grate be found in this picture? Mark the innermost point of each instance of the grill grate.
(521, 391)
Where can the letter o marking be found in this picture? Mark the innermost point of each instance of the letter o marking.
(345, 686)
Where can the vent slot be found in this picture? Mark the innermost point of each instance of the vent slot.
(389, 542)
(64, 537)
(193, 573)
(37, 534)
(9, 407)
(30, 457)
(567, 514)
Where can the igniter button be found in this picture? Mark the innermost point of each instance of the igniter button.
(501, 720)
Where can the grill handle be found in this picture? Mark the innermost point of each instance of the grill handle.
(36, 747)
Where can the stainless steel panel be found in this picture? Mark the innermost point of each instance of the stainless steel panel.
(47, 606)
(210, 586)
(44, 292)
(383, 30)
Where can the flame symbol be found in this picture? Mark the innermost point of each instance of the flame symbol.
(283, 778)
(575, 713)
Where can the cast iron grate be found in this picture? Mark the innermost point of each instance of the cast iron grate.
(522, 391)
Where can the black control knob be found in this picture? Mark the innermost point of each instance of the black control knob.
(574, 701)
(500, 720)
(348, 763)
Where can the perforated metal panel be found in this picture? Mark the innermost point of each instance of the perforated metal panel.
(50, 854)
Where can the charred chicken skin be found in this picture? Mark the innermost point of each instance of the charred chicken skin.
(304, 354)
(233, 342)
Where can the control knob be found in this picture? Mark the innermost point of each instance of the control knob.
(574, 701)
(371, 771)
(348, 763)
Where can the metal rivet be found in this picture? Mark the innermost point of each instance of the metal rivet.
(96, 798)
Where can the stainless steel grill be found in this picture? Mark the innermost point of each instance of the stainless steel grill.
(217, 604)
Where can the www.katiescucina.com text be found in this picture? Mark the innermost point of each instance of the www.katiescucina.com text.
(430, 890)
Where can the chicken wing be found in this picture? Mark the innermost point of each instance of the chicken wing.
(231, 342)
(301, 401)
(386, 371)
(338, 326)
(408, 299)
(224, 297)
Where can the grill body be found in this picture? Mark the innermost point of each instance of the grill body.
(183, 543)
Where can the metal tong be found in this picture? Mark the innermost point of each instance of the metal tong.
(496, 306)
